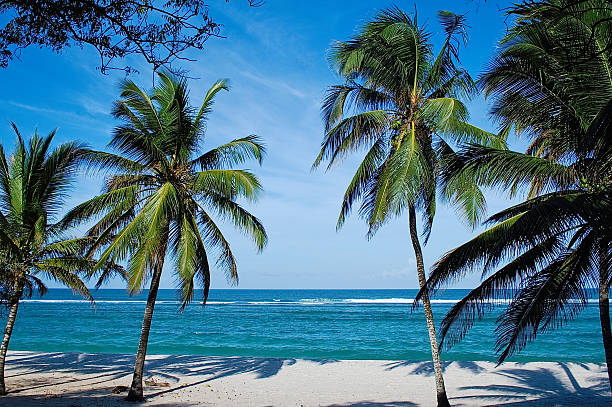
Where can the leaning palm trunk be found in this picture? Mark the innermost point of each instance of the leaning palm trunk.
(136, 390)
(10, 323)
(604, 313)
(431, 326)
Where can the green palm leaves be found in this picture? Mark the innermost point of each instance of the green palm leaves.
(163, 194)
(34, 182)
(400, 102)
(551, 81)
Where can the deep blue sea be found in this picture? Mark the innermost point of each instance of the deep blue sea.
(317, 324)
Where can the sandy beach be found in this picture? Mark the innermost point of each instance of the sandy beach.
(77, 379)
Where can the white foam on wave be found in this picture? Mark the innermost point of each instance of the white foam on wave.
(87, 301)
(411, 301)
(117, 302)
(303, 301)
(379, 300)
(318, 301)
(386, 301)
(368, 301)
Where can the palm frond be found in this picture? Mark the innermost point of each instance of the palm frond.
(235, 152)
(501, 285)
(242, 219)
(549, 299)
(352, 133)
(229, 183)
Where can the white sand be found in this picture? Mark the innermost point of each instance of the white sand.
(72, 379)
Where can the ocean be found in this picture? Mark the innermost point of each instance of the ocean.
(309, 324)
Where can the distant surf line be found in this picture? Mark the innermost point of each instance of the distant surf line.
(304, 301)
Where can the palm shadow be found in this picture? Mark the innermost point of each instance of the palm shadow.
(426, 368)
(524, 386)
(82, 398)
(541, 387)
(521, 387)
(375, 404)
(96, 369)
(103, 368)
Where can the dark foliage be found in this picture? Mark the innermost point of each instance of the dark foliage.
(551, 81)
(159, 31)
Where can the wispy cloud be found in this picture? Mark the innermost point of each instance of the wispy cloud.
(58, 112)
(274, 84)
(94, 107)
(36, 108)
(72, 124)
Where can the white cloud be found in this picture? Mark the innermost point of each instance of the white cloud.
(273, 84)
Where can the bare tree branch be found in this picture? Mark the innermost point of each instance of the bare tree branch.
(160, 31)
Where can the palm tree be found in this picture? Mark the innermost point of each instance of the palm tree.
(163, 195)
(402, 103)
(33, 185)
(552, 81)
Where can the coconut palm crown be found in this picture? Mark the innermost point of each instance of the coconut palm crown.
(34, 246)
(162, 195)
(402, 104)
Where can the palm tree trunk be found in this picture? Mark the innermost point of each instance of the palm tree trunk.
(10, 323)
(604, 312)
(431, 326)
(136, 390)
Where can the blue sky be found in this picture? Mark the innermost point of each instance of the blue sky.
(275, 57)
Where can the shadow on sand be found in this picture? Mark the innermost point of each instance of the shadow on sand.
(512, 385)
(528, 386)
(426, 368)
(542, 387)
(375, 404)
(107, 367)
(101, 369)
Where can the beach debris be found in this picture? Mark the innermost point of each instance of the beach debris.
(120, 389)
(151, 382)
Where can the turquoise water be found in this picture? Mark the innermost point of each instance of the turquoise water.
(319, 324)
